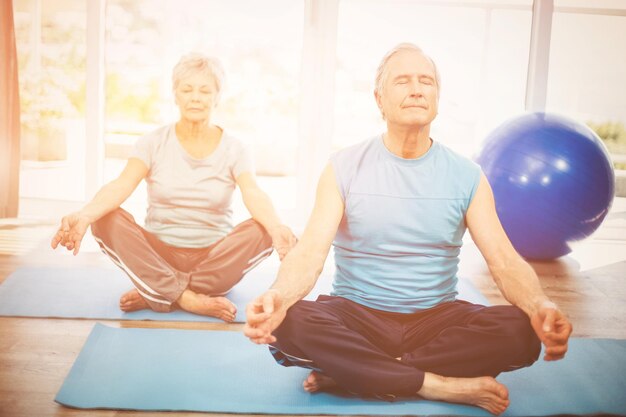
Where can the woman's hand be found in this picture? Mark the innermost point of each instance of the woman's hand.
(70, 234)
(283, 239)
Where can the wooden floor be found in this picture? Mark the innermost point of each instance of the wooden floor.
(36, 354)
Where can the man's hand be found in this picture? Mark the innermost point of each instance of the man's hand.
(283, 239)
(264, 314)
(553, 329)
(70, 234)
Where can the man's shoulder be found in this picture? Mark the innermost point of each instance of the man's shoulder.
(355, 152)
(456, 158)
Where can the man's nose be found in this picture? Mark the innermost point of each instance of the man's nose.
(416, 89)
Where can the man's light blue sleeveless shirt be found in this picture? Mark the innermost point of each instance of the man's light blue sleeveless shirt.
(398, 242)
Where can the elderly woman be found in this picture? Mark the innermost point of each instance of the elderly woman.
(188, 254)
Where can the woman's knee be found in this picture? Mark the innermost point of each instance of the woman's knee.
(255, 232)
(109, 222)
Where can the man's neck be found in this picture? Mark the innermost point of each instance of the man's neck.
(408, 143)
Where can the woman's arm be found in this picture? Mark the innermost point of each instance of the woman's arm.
(107, 199)
(262, 210)
(113, 194)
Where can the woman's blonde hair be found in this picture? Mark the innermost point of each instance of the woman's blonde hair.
(194, 63)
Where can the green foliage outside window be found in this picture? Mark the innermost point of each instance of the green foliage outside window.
(613, 134)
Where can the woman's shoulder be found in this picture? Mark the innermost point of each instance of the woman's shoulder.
(155, 138)
(158, 134)
(233, 142)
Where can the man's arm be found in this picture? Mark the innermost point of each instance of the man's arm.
(515, 277)
(302, 266)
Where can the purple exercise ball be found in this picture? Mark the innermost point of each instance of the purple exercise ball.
(552, 180)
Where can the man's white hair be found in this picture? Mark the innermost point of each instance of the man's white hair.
(194, 63)
(382, 72)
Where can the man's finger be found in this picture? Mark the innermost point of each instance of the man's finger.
(564, 326)
(248, 330)
(549, 357)
(268, 303)
(560, 336)
(556, 350)
(269, 339)
(548, 321)
(260, 339)
(256, 318)
(264, 340)
(256, 306)
(254, 332)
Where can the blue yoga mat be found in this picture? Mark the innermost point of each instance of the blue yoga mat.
(222, 372)
(93, 293)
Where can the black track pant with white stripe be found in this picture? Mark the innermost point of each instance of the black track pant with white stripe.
(385, 354)
(161, 272)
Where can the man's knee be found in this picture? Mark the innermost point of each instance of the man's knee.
(295, 319)
(521, 340)
(304, 319)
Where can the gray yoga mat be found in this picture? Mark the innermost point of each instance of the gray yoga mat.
(222, 372)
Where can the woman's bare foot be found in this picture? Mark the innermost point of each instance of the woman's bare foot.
(484, 392)
(132, 301)
(317, 381)
(219, 307)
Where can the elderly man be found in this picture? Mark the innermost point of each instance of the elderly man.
(396, 207)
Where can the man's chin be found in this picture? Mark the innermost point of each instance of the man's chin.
(415, 121)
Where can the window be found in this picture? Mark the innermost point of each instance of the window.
(260, 48)
(481, 50)
(50, 39)
(587, 67)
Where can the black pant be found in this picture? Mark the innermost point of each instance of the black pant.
(357, 346)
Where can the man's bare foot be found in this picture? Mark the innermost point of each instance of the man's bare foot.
(484, 392)
(317, 381)
(132, 301)
(205, 305)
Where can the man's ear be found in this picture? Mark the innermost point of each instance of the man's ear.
(379, 103)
